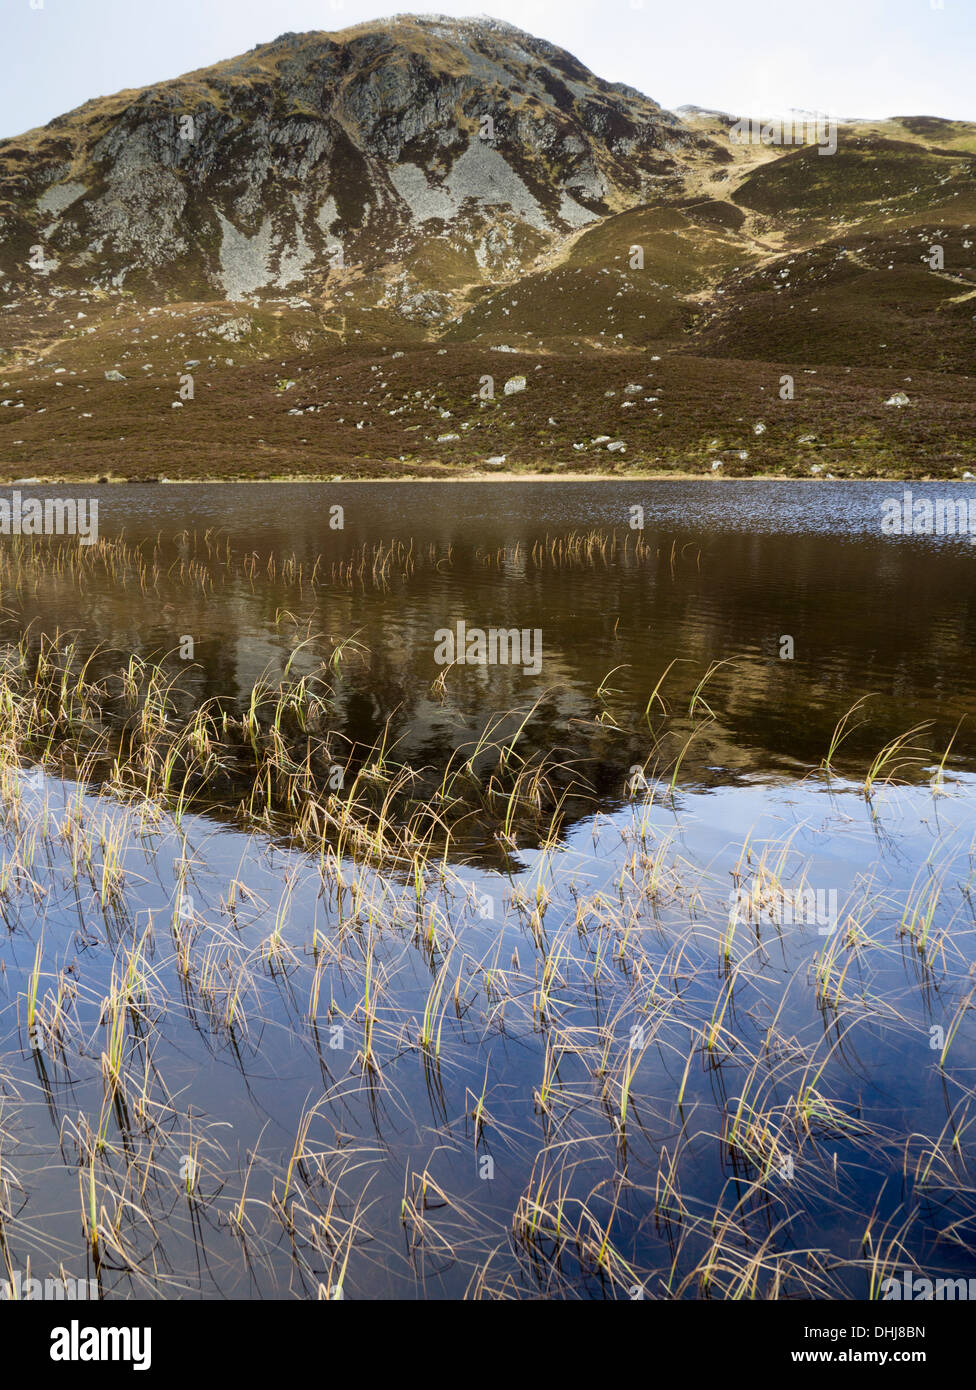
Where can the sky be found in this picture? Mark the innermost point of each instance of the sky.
(841, 57)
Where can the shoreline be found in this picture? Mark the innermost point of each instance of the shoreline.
(499, 477)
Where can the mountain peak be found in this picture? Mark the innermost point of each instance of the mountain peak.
(283, 168)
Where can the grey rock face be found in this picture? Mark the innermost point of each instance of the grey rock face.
(251, 176)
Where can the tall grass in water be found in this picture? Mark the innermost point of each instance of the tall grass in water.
(285, 1071)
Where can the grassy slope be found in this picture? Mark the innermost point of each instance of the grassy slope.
(772, 263)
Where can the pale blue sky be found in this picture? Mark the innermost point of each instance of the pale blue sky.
(843, 57)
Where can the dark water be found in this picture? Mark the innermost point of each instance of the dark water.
(726, 573)
(731, 570)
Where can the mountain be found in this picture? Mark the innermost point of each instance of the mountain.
(445, 189)
(253, 175)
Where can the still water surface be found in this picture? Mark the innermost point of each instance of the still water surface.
(727, 572)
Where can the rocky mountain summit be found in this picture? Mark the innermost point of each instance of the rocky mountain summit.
(320, 152)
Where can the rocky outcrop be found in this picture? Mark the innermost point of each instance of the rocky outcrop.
(318, 153)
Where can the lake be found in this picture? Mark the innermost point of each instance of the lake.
(640, 966)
